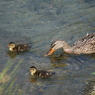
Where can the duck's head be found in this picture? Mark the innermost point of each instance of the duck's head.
(11, 45)
(33, 70)
(54, 46)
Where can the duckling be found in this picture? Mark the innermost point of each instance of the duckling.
(40, 73)
(85, 45)
(17, 47)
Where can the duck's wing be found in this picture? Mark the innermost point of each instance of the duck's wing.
(21, 47)
(88, 39)
(87, 43)
(43, 74)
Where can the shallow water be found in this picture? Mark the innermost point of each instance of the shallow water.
(38, 23)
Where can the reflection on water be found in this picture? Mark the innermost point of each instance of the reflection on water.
(38, 23)
(57, 60)
(12, 54)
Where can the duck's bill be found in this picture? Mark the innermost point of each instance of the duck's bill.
(50, 52)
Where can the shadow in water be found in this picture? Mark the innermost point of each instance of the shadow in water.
(57, 60)
(53, 79)
(92, 55)
(11, 54)
(33, 80)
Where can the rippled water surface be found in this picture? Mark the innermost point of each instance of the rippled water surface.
(38, 23)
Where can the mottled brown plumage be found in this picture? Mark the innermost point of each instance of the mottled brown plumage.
(18, 47)
(40, 73)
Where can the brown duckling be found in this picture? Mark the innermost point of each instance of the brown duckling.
(86, 45)
(40, 73)
(17, 47)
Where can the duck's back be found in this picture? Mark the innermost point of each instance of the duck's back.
(21, 47)
(43, 74)
(86, 44)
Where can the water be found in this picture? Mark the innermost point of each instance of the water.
(38, 23)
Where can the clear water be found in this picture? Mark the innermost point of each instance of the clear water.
(38, 23)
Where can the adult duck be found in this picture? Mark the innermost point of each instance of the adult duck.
(85, 45)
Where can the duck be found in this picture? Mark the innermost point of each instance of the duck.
(17, 47)
(85, 45)
(40, 73)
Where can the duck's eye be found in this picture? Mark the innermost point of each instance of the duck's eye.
(33, 69)
(53, 45)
